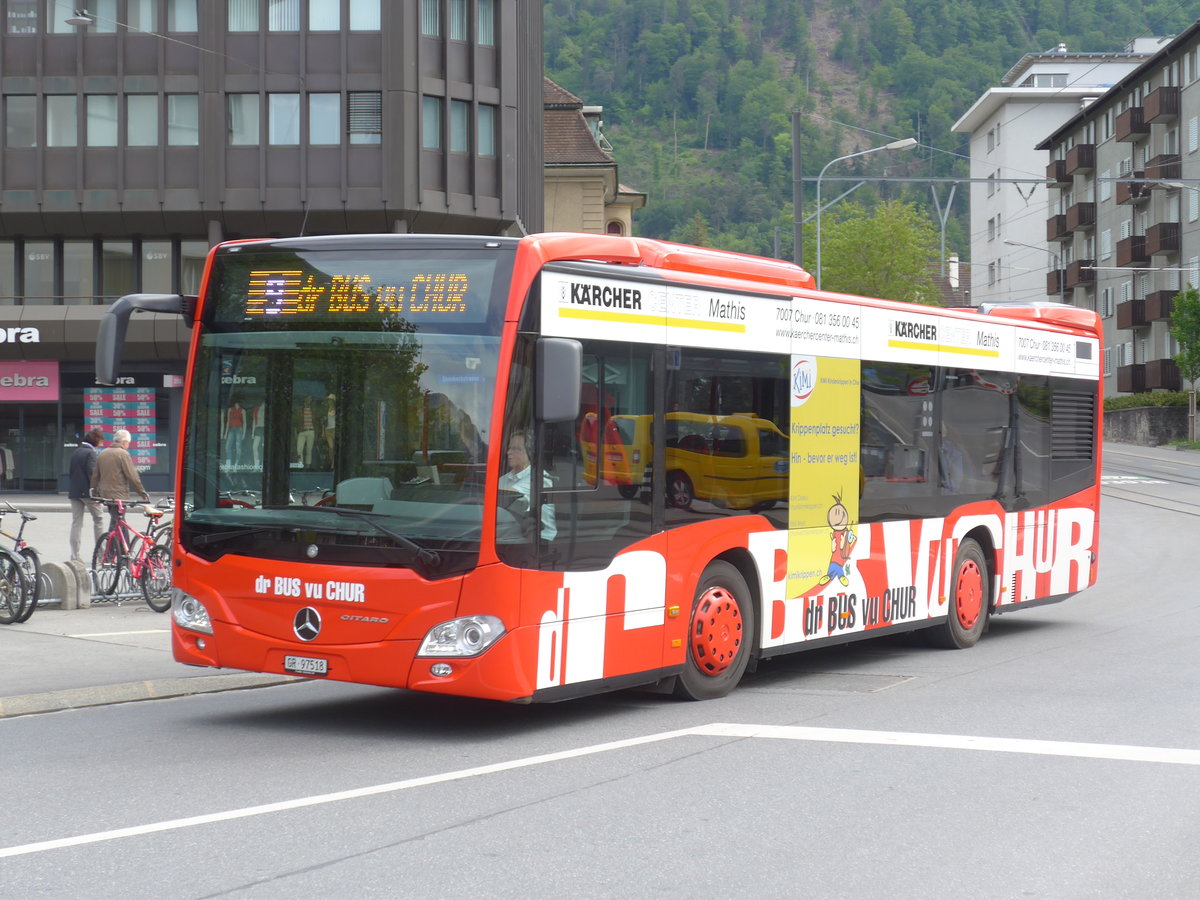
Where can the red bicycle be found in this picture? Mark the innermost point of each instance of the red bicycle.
(124, 549)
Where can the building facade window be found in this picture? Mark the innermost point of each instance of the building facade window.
(324, 15)
(20, 121)
(283, 119)
(283, 15)
(39, 272)
(1105, 184)
(324, 119)
(364, 15)
(460, 126)
(181, 16)
(22, 17)
(243, 120)
(183, 120)
(485, 129)
(101, 120)
(78, 286)
(431, 123)
(459, 30)
(142, 14)
(243, 15)
(486, 27)
(364, 115)
(62, 120)
(431, 18)
(141, 120)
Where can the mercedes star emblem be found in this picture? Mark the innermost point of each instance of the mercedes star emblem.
(307, 624)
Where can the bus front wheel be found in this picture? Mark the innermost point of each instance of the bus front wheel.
(720, 634)
(968, 601)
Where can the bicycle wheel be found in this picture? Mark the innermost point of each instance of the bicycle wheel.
(13, 594)
(156, 579)
(31, 563)
(107, 563)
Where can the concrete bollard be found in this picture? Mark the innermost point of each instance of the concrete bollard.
(60, 581)
(83, 584)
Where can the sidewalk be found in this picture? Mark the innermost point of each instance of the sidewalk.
(63, 659)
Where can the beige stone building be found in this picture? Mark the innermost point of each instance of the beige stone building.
(582, 189)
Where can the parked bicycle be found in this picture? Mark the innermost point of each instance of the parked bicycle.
(160, 523)
(22, 592)
(123, 549)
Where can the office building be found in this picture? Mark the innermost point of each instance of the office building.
(138, 133)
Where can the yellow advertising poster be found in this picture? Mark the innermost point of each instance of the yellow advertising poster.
(825, 477)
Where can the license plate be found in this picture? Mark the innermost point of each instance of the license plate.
(306, 665)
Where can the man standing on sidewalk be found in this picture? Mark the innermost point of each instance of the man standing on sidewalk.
(115, 476)
(83, 463)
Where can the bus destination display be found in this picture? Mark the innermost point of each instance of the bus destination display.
(297, 294)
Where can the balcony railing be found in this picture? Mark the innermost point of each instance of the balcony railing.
(1164, 167)
(1131, 379)
(1081, 215)
(1056, 228)
(1162, 238)
(1132, 251)
(1081, 271)
(1056, 172)
(1132, 314)
(1133, 191)
(1160, 305)
(1081, 158)
(1130, 125)
(1055, 283)
(1162, 105)
(1162, 373)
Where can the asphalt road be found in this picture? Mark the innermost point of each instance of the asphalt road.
(1059, 758)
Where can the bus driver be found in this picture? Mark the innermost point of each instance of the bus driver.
(516, 480)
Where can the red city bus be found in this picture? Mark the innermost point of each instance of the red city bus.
(389, 463)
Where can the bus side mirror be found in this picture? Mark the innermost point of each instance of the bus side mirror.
(110, 341)
(559, 375)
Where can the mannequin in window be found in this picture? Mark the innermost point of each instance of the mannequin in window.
(256, 434)
(329, 428)
(234, 432)
(306, 430)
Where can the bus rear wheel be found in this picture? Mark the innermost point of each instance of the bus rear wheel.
(720, 634)
(968, 601)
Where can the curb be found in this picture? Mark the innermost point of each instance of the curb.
(130, 692)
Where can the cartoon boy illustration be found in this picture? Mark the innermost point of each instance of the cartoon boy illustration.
(842, 542)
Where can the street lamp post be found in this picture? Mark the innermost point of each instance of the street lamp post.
(1055, 259)
(903, 144)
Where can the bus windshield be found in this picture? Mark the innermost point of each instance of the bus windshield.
(340, 406)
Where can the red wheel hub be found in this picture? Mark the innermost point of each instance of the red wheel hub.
(716, 631)
(968, 594)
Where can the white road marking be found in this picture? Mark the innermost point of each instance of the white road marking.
(1122, 752)
(95, 634)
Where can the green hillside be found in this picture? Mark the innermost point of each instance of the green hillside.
(698, 93)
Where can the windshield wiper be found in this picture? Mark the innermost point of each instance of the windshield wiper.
(430, 558)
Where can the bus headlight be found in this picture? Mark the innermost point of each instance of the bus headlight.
(468, 636)
(189, 612)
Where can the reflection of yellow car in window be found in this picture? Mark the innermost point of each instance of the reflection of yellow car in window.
(738, 461)
(735, 461)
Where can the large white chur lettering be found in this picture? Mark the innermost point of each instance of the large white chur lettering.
(571, 637)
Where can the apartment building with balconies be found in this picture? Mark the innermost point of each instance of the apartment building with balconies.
(1009, 260)
(1124, 210)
